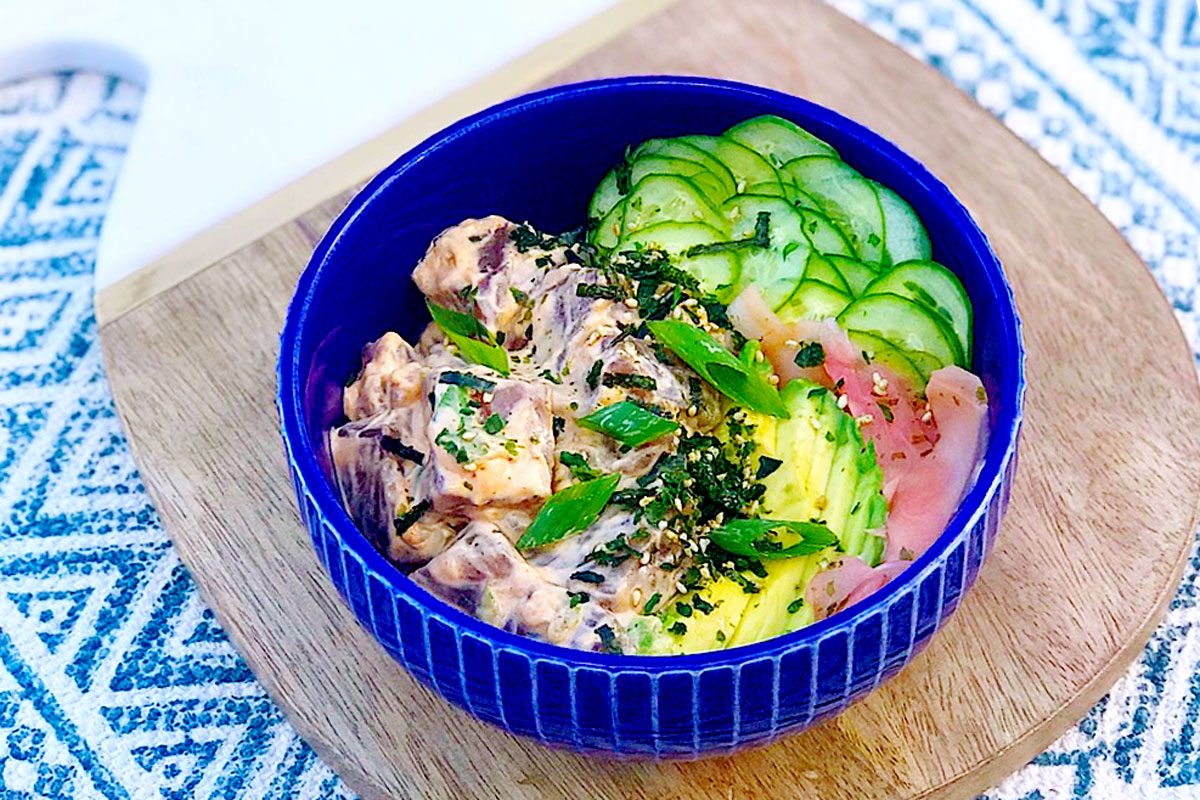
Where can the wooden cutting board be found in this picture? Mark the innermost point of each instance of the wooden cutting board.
(1102, 519)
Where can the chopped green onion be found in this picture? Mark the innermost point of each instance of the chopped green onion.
(651, 603)
(719, 367)
(628, 423)
(493, 424)
(751, 537)
(473, 340)
(569, 511)
(577, 463)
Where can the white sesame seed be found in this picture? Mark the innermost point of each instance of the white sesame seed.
(865, 419)
(692, 411)
(843, 401)
(816, 426)
(678, 504)
(662, 525)
(741, 187)
(469, 436)
(759, 357)
(631, 302)
(637, 596)
(679, 585)
(927, 417)
(791, 343)
(487, 397)
(645, 501)
(773, 380)
(645, 558)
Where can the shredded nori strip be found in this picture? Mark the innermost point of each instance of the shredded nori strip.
(593, 376)
(629, 380)
(587, 576)
(467, 381)
(410, 517)
(766, 466)
(810, 354)
(608, 639)
(391, 444)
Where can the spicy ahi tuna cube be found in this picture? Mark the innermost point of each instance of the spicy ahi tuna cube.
(492, 441)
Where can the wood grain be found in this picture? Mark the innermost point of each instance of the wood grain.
(1101, 522)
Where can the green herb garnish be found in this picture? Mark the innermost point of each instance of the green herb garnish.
(568, 511)
(752, 537)
(446, 439)
(593, 376)
(578, 597)
(629, 380)
(795, 605)
(683, 609)
(473, 340)
(702, 605)
(599, 290)
(810, 354)
(651, 603)
(494, 424)
(628, 423)
(760, 238)
(719, 367)
(679, 629)
(578, 465)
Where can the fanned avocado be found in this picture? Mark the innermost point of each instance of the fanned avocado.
(841, 488)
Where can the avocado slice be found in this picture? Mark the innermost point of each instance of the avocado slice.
(842, 487)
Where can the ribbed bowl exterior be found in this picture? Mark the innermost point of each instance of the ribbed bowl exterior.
(656, 712)
(637, 706)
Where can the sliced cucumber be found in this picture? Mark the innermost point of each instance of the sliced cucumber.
(605, 197)
(890, 356)
(820, 269)
(778, 140)
(846, 197)
(907, 325)
(767, 188)
(668, 198)
(936, 288)
(709, 185)
(607, 232)
(824, 235)
(858, 275)
(777, 269)
(718, 273)
(677, 148)
(905, 238)
(748, 167)
(813, 300)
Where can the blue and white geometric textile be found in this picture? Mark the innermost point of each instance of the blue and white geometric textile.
(116, 682)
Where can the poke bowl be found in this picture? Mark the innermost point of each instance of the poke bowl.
(554, 161)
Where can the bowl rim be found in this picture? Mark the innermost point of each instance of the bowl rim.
(311, 480)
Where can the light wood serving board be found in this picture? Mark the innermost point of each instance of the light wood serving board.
(1102, 518)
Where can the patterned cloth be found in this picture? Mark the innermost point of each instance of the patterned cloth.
(115, 681)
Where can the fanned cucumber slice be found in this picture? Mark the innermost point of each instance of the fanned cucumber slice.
(905, 324)
(846, 197)
(824, 236)
(606, 196)
(607, 232)
(820, 269)
(708, 184)
(768, 188)
(778, 140)
(668, 198)
(748, 167)
(717, 272)
(858, 275)
(904, 237)
(677, 148)
(813, 300)
(884, 352)
(777, 269)
(935, 287)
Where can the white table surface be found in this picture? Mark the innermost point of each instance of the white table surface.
(245, 96)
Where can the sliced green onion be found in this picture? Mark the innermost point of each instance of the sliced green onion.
(473, 340)
(752, 538)
(569, 511)
(628, 423)
(719, 367)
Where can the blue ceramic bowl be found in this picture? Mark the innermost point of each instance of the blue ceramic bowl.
(537, 158)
